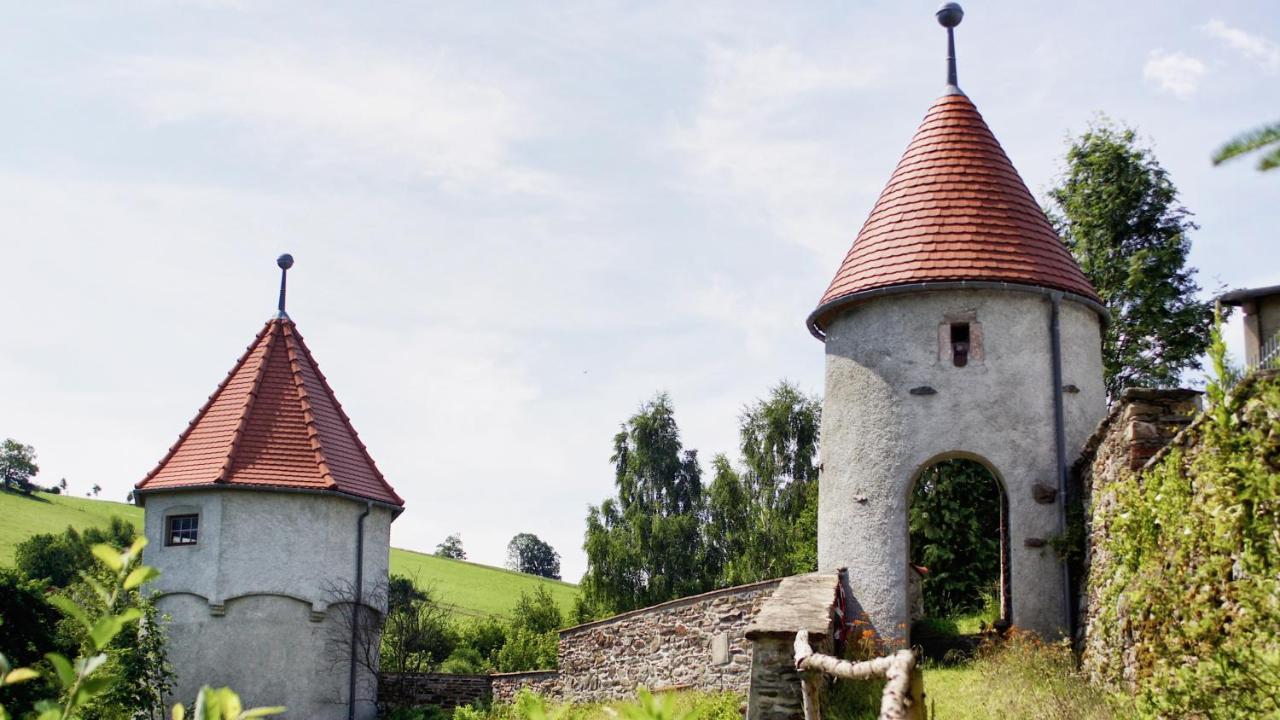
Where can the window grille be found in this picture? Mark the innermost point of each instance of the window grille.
(182, 529)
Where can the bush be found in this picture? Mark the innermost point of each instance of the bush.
(527, 650)
(60, 559)
(465, 660)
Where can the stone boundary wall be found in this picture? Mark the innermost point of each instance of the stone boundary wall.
(1137, 431)
(698, 642)
(543, 682)
(444, 690)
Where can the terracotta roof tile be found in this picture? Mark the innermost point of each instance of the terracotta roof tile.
(273, 422)
(955, 209)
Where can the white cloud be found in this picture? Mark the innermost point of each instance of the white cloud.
(752, 134)
(1256, 48)
(1176, 73)
(437, 116)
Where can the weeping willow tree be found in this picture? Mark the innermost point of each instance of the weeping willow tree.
(955, 533)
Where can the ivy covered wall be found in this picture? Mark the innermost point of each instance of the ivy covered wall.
(1181, 601)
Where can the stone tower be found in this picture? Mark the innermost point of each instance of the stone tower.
(267, 520)
(958, 326)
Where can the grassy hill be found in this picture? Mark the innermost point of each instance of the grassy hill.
(470, 589)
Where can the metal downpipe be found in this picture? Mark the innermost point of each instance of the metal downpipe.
(357, 601)
(1060, 443)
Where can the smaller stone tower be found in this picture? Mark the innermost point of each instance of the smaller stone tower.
(958, 326)
(267, 520)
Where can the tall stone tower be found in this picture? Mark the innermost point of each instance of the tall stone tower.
(267, 520)
(958, 326)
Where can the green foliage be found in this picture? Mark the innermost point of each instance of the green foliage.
(1193, 576)
(452, 548)
(417, 632)
(955, 532)
(762, 520)
(528, 650)
(527, 553)
(537, 612)
(485, 636)
(28, 629)
(17, 465)
(645, 546)
(465, 660)
(1118, 212)
(1262, 138)
(60, 559)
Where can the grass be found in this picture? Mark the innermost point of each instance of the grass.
(470, 589)
(667, 705)
(1021, 677)
(476, 590)
(26, 515)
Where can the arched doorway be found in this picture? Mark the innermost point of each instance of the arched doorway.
(959, 549)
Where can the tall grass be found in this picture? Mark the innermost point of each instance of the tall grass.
(1020, 677)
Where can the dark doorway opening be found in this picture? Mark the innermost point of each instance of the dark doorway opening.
(959, 551)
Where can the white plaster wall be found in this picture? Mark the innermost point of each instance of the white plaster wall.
(249, 603)
(876, 436)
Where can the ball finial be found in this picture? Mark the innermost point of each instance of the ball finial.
(950, 14)
(285, 261)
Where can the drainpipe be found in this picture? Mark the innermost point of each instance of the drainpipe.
(355, 609)
(1060, 443)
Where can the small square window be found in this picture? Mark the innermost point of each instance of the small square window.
(181, 529)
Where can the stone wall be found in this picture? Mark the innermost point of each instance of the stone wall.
(1135, 433)
(446, 691)
(696, 642)
(543, 682)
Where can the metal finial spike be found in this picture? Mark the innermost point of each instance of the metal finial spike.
(284, 262)
(949, 16)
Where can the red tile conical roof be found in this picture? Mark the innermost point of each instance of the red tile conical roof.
(273, 423)
(955, 210)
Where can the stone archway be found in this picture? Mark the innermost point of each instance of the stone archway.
(958, 546)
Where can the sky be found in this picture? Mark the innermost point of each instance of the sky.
(513, 223)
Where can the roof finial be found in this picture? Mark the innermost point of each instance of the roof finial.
(949, 16)
(285, 262)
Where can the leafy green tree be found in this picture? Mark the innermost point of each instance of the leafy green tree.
(1118, 212)
(1265, 138)
(537, 612)
(452, 548)
(954, 524)
(18, 465)
(527, 553)
(645, 546)
(417, 633)
(762, 520)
